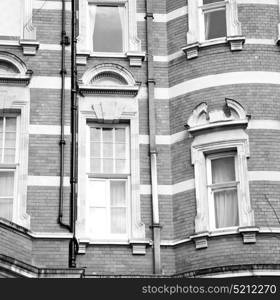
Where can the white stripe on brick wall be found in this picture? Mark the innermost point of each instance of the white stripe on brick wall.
(53, 47)
(48, 82)
(47, 129)
(257, 77)
(260, 41)
(45, 181)
(170, 57)
(264, 176)
(182, 135)
(168, 190)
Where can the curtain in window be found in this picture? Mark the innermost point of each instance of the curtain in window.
(92, 14)
(226, 208)
(6, 194)
(215, 24)
(118, 207)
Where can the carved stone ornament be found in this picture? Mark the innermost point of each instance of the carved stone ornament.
(232, 114)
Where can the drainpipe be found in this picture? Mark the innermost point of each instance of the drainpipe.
(64, 42)
(152, 132)
(73, 246)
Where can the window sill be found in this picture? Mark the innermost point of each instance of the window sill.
(138, 246)
(29, 47)
(135, 58)
(235, 42)
(248, 233)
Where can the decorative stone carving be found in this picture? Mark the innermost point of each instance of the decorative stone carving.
(232, 114)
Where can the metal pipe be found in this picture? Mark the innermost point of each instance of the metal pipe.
(62, 143)
(152, 132)
(74, 122)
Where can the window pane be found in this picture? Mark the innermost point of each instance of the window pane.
(6, 184)
(118, 220)
(120, 166)
(120, 150)
(10, 140)
(95, 134)
(9, 155)
(215, 24)
(98, 220)
(95, 165)
(211, 1)
(223, 170)
(97, 193)
(95, 149)
(108, 165)
(108, 35)
(108, 135)
(6, 208)
(118, 194)
(226, 208)
(108, 150)
(11, 124)
(1, 124)
(120, 135)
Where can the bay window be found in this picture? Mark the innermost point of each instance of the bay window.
(108, 180)
(8, 164)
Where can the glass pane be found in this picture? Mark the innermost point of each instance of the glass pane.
(108, 150)
(6, 184)
(108, 35)
(118, 193)
(98, 220)
(120, 135)
(108, 135)
(223, 170)
(120, 150)
(226, 208)
(10, 140)
(211, 1)
(11, 124)
(120, 165)
(1, 124)
(108, 165)
(215, 24)
(95, 165)
(9, 155)
(6, 208)
(95, 149)
(97, 193)
(118, 220)
(95, 134)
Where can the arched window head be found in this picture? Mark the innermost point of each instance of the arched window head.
(13, 70)
(109, 79)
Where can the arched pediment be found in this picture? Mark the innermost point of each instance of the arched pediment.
(232, 113)
(109, 79)
(13, 70)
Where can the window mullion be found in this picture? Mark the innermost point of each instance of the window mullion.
(101, 150)
(3, 140)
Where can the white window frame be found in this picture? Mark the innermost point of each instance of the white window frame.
(15, 100)
(132, 47)
(221, 5)
(211, 187)
(196, 27)
(12, 167)
(124, 23)
(101, 106)
(108, 177)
